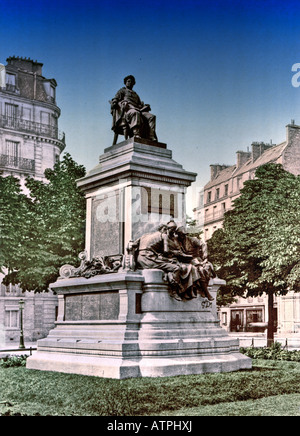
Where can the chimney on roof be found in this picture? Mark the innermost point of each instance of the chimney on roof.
(242, 157)
(292, 130)
(258, 148)
(25, 64)
(215, 170)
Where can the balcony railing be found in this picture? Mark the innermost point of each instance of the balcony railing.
(214, 216)
(15, 123)
(13, 162)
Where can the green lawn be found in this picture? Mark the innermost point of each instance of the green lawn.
(280, 405)
(271, 388)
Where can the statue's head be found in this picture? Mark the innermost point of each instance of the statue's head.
(162, 228)
(132, 78)
(172, 226)
(181, 233)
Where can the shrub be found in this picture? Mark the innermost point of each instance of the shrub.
(9, 361)
(275, 352)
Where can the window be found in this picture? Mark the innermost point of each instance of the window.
(10, 79)
(11, 110)
(224, 318)
(12, 151)
(226, 190)
(209, 197)
(52, 93)
(10, 82)
(11, 317)
(254, 316)
(217, 193)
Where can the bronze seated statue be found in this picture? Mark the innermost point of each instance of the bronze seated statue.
(131, 117)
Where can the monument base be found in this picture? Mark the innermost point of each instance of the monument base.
(126, 324)
(146, 367)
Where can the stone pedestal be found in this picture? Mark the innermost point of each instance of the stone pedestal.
(136, 186)
(126, 325)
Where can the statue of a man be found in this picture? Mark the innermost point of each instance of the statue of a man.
(127, 104)
(198, 250)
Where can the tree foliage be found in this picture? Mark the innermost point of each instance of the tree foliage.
(192, 228)
(14, 219)
(51, 227)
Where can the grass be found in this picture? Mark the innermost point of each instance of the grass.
(280, 405)
(30, 392)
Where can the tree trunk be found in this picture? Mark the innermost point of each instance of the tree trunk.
(270, 336)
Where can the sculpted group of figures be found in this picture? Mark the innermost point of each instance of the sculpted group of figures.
(183, 259)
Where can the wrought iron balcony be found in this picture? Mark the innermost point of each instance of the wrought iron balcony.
(21, 125)
(13, 162)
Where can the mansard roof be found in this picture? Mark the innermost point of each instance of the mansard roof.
(273, 154)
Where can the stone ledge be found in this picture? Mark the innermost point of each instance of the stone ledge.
(149, 367)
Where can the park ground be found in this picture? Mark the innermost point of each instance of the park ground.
(271, 388)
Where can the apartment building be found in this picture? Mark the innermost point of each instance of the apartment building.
(30, 142)
(218, 196)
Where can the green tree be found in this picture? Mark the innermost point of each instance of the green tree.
(14, 216)
(192, 228)
(53, 234)
(258, 249)
(218, 251)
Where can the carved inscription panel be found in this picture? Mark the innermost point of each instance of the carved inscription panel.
(92, 306)
(107, 227)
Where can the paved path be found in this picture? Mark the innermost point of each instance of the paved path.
(13, 348)
(260, 340)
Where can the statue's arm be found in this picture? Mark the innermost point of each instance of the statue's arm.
(117, 98)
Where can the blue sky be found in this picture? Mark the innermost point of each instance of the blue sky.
(217, 73)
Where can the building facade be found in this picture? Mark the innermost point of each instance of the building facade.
(246, 314)
(227, 180)
(218, 196)
(30, 142)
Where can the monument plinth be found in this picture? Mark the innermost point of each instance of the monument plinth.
(143, 300)
(136, 186)
(126, 325)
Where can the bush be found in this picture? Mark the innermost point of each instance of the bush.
(275, 352)
(9, 361)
